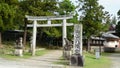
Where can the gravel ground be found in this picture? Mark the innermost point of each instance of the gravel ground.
(115, 60)
(45, 61)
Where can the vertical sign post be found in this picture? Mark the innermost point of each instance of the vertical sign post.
(77, 39)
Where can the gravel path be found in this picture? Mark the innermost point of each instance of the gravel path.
(115, 60)
(45, 61)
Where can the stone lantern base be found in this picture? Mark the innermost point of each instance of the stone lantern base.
(18, 52)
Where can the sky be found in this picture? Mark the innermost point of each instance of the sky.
(112, 6)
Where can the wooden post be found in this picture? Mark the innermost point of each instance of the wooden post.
(0, 39)
(25, 32)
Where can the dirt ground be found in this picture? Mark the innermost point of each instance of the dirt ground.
(45, 61)
(115, 57)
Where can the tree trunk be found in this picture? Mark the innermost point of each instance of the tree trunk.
(25, 32)
(88, 44)
(0, 39)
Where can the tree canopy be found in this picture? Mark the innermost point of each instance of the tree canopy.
(12, 14)
(93, 17)
(47, 8)
(7, 15)
(38, 7)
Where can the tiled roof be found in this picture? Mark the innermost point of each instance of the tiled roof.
(108, 35)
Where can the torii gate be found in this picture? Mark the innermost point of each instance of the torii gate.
(48, 18)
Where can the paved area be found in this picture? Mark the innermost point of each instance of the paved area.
(45, 61)
(115, 60)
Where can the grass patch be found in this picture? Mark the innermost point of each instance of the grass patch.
(8, 56)
(25, 55)
(41, 52)
(8, 49)
(92, 62)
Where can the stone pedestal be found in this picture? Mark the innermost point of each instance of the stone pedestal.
(76, 60)
(18, 52)
(67, 54)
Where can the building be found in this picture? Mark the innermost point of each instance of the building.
(111, 43)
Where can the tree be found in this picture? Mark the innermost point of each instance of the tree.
(40, 8)
(47, 8)
(66, 7)
(92, 19)
(113, 23)
(114, 20)
(7, 14)
(117, 29)
(118, 13)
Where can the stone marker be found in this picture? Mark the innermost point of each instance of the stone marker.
(77, 58)
(19, 47)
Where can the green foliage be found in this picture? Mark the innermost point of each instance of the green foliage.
(92, 17)
(118, 29)
(6, 16)
(12, 14)
(118, 13)
(41, 8)
(114, 20)
(48, 8)
(118, 25)
(66, 7)
(53, 32)
(38, 8)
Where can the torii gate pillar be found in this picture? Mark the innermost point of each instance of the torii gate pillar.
(34, 37)
(64, 32)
